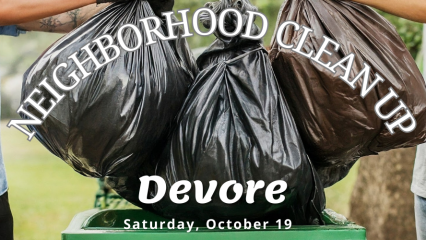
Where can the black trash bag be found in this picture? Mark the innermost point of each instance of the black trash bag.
(160, 6)
(117, 116)
(235, 125)
(337, 125)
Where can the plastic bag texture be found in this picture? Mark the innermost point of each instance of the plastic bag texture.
(235, 125)
(114, 119)
(337, 125)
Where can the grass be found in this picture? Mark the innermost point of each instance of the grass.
(45, 193)
(339, 195)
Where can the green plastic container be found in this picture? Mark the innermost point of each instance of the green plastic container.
(109, 225)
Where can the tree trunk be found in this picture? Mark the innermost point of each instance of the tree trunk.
(381, 200)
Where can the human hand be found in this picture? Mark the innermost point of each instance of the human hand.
(110, 1)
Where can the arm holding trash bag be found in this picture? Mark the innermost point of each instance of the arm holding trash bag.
(64, 22)
(21, 11)
(414, 10)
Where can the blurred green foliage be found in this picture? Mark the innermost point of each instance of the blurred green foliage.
(410, 32)
(269, 8)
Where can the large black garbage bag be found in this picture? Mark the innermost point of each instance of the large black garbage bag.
(160, 6)
(337, 125)
(121, 113)
(235, 125)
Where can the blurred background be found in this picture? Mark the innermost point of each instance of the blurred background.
(45, 193)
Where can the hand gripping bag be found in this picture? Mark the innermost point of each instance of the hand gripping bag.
(115, 118)
(235, 125)
(337, 125)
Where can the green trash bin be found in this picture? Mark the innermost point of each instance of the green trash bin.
(109, 225)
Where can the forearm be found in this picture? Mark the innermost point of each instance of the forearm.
(414, 10)
(21, 11)
(64, 22)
